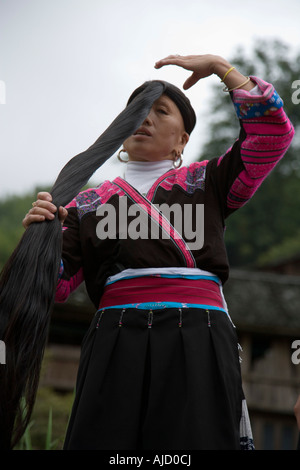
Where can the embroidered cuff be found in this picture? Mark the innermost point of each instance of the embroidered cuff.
(248, 105)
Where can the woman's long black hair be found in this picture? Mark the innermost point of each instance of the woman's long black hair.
(28, 280)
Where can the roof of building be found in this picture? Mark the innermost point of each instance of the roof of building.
(261, 301)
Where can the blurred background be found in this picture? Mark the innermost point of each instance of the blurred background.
(67, 68)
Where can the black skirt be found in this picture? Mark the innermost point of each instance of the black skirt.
(165, 379)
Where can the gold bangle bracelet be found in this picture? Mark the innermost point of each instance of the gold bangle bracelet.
(238, 86)
(228, 71)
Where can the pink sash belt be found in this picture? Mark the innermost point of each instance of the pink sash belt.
(160, 289)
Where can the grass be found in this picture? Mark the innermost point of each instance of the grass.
(26, 441)
(47, 428)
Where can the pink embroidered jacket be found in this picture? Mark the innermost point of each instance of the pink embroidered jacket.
(222, 185)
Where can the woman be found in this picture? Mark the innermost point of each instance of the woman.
(160, 366)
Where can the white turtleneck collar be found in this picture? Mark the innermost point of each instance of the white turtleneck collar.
(142, 175)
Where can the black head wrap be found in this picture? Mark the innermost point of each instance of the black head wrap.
(179, 98)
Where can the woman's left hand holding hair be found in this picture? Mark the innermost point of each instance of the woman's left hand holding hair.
(205, 65)
(43, 209)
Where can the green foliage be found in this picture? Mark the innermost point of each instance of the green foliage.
(284, 251)
(272, 217)
(12, 212)
(46, 430)
(26, 441)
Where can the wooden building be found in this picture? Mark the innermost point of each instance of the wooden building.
(265, 308)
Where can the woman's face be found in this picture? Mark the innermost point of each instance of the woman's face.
(161, 136)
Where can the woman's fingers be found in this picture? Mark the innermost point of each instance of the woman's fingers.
(189, 62)
(30, 218)
(62, 213)
(169, 60)
(200, 65)
(194, 78)
(40, 211)
(43, 209)
(43, 195)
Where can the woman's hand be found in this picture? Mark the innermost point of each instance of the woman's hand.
(205, 65)
(43, 209)
(201, 65)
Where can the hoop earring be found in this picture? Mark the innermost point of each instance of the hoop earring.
(119, 156)
(178, 159)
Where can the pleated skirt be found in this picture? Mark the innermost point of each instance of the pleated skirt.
(166, 379)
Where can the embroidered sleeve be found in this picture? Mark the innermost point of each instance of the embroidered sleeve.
(265, 136)
(250, 105)
(70, 272)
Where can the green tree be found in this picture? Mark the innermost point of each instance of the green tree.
(272, 217)
(12, 212)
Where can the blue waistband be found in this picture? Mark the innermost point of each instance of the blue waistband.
(163, 305)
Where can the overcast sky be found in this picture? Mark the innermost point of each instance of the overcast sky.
(67, 68)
